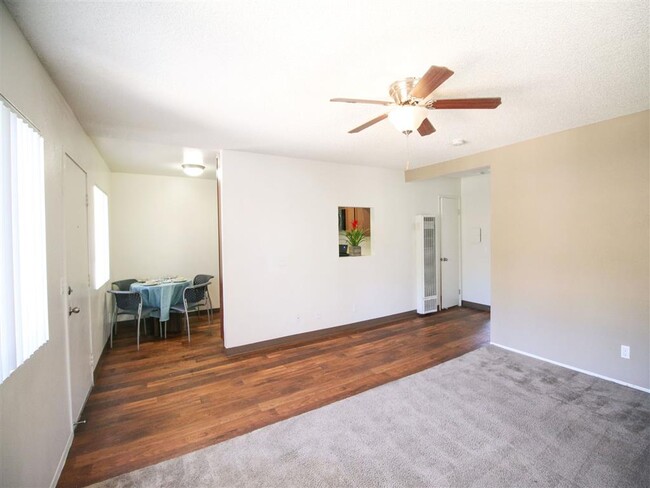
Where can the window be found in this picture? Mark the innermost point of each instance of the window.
(102, 264)
(23, 271)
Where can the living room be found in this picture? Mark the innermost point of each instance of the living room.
(565, 158)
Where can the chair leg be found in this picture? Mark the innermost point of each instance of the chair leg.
(138, 333)
(113, 324)
(187, 317)
(112, 327)
(210, 307)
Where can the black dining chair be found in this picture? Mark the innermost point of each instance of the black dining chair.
(193, 298)
(123, 285)
(201, 279)
(129, 303)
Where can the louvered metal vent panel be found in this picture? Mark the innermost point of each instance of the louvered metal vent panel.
(430, 304)
(429, 236)
(426, 264)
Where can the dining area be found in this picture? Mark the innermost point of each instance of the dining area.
(163, 258)
(159, 299)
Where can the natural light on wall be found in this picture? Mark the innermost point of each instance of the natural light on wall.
(23, 271)
(102, 265)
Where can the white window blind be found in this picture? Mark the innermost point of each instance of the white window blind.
(23, 272)
(102, 264)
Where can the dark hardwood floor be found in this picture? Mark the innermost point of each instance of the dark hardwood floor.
(171, 397)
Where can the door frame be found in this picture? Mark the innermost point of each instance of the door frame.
(220, 245)
(64, 290)
(460, 254)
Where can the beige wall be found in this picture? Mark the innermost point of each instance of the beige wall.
(164, 226)
(571, 245)
(35, 418)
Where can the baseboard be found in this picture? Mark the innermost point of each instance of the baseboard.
(320, 334)
(200, 312)
(196, 312)
(579, 370)
(64, 457)
(475, 306)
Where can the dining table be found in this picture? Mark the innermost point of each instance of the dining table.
(161, 294)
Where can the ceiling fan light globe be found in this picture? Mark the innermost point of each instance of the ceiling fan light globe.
(407, 118)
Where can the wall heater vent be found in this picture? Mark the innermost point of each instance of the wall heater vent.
(426, 262)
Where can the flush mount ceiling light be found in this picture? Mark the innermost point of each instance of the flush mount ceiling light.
(192, 169)
(192, 162)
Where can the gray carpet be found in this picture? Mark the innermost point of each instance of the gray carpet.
(491, 418)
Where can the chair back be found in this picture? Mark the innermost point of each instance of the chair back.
(127, 300)
(200, 279)
(122, 285)
(195, 293)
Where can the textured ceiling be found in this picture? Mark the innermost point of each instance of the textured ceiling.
(146, 79)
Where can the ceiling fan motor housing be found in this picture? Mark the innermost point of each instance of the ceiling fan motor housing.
(400, 91)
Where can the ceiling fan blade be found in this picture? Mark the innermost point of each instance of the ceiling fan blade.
(465, 103)
(360, 100)
(368, 124)
(432, 79)
(426, 128)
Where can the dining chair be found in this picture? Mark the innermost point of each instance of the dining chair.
(193, 298)
(123, 285)
(201, 279)
(129, 303)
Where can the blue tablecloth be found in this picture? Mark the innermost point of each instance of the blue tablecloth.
(161, 296)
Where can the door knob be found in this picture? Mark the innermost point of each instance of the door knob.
(73, 310)
(444, 259)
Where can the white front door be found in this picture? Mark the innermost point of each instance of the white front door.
(77, 285)
(449, 252)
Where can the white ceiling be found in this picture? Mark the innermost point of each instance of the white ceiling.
(146, 79)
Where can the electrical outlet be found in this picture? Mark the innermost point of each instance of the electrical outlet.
(625, 352)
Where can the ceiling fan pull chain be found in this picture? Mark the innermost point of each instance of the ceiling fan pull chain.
(408, 150)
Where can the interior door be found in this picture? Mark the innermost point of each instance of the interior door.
(449, 252)
(77, 285)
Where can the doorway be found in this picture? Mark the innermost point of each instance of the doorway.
(77, 285)
(450, 294)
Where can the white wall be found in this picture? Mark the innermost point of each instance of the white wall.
(475, 238)
(164, 226)
(282, 273)
(35, 419)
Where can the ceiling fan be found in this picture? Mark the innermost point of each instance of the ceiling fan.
(411, 102)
